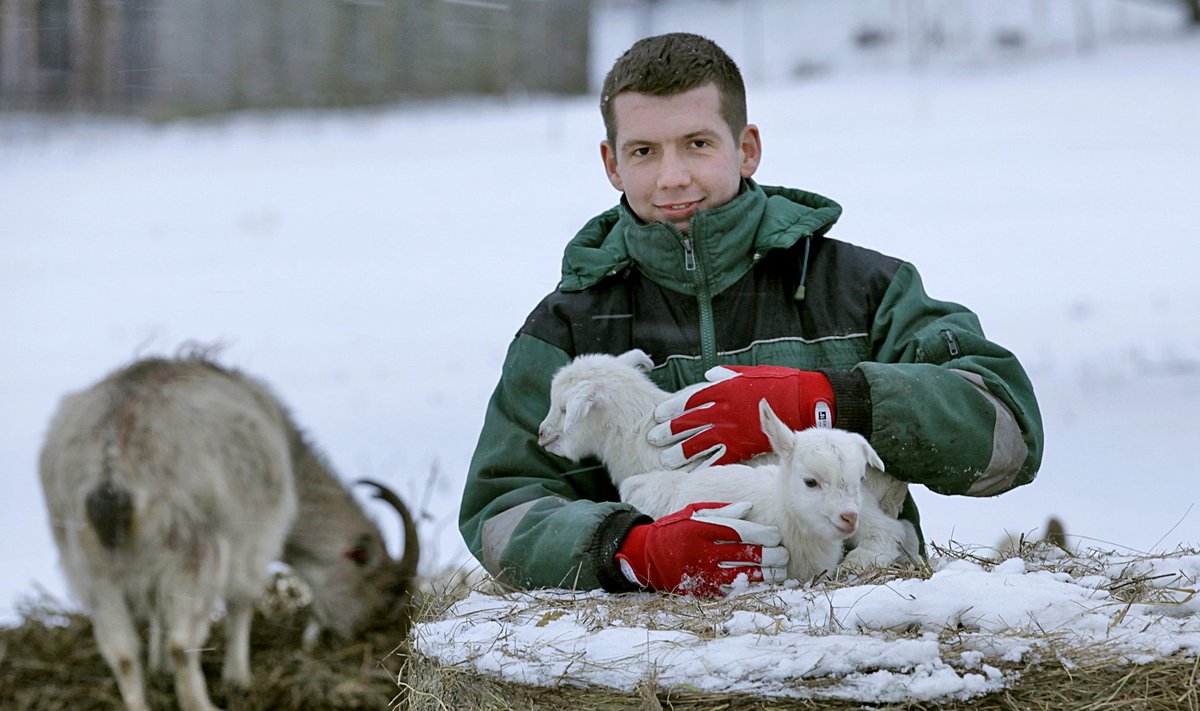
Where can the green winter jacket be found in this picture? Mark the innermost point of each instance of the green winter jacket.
(754, 282)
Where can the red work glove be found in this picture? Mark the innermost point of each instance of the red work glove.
(719, 422)
(701, 550)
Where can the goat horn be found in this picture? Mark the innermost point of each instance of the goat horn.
(407, 566)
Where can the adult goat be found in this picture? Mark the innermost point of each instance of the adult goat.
(171, 485)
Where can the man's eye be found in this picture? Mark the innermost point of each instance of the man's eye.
(641, 152)
(700, 143)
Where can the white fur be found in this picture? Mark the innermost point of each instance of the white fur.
(603, 406)
(219, 483)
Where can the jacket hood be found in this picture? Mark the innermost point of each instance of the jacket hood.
(728, 239)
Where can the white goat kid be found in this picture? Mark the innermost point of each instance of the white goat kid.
(171, 485)
(603, 406)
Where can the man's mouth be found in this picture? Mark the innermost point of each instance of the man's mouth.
(679, 210)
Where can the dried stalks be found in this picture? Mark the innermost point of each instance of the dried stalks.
(51, 663)
(1095, 679)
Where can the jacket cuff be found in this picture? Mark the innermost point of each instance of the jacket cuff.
(851, 400)
(603, 552)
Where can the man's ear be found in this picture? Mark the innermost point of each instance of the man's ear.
(608, 154)
(750, 145)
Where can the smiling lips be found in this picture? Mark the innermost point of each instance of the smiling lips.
(678, 210)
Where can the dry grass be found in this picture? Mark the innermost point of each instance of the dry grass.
(51, 663)
(1097, 678)
(1166, 685)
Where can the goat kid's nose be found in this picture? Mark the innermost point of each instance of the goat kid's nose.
(850, 518)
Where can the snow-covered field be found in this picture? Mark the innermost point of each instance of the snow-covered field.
(372, 266)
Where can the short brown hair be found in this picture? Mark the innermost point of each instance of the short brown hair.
(671, 64)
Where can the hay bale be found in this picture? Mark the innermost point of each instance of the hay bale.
(1166, 685)
(1059, 670)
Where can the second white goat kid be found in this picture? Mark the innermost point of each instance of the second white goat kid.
(603, 406)
(814, 494)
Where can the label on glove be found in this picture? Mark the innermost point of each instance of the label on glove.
(822, 415)
(627, 571)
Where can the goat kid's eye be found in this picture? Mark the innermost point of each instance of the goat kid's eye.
(810, 483)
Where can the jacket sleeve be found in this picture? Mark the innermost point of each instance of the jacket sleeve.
(949, 408)
(534, 519)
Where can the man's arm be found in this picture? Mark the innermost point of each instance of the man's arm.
(949, 408)
(534, 519)
(941, 404)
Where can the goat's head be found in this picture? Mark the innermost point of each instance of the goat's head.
(587, 384)
(822, 472)
(355, 582)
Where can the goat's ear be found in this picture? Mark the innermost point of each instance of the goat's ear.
(871, 455)
(781, 437)
(637, 359)
(578, 404)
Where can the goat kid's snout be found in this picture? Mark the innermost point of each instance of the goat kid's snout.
(546, 436)
(847, 522)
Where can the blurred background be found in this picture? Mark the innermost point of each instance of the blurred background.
(168, 58)
(361, 200)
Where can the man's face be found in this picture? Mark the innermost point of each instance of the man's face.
(675, 155)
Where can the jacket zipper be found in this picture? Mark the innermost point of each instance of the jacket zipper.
(951, 342)
(689, 255)
(708, 340)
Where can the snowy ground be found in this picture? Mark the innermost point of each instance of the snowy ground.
(372, 266)
(967, 630)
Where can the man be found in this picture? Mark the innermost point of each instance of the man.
(699, 266)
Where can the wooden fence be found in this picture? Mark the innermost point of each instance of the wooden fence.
(172, 57)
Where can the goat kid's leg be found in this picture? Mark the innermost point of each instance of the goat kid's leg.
(879, 541)
(117, 638)
(238, 614)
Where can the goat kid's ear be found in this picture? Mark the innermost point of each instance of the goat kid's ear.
(578, 405)
(781, 437)
(637, 359)
(871, 455)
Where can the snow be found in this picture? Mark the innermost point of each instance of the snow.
(372, 266)
(964, 631)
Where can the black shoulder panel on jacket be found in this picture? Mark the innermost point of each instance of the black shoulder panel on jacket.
(844, 287)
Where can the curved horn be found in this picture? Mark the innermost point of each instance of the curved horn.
(407, 566)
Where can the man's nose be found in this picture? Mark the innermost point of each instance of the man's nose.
(673, 171)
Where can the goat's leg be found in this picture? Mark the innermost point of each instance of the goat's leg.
(155, 659)
(185, 640)
(189, 598)
(238, 614)
(117, 639)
